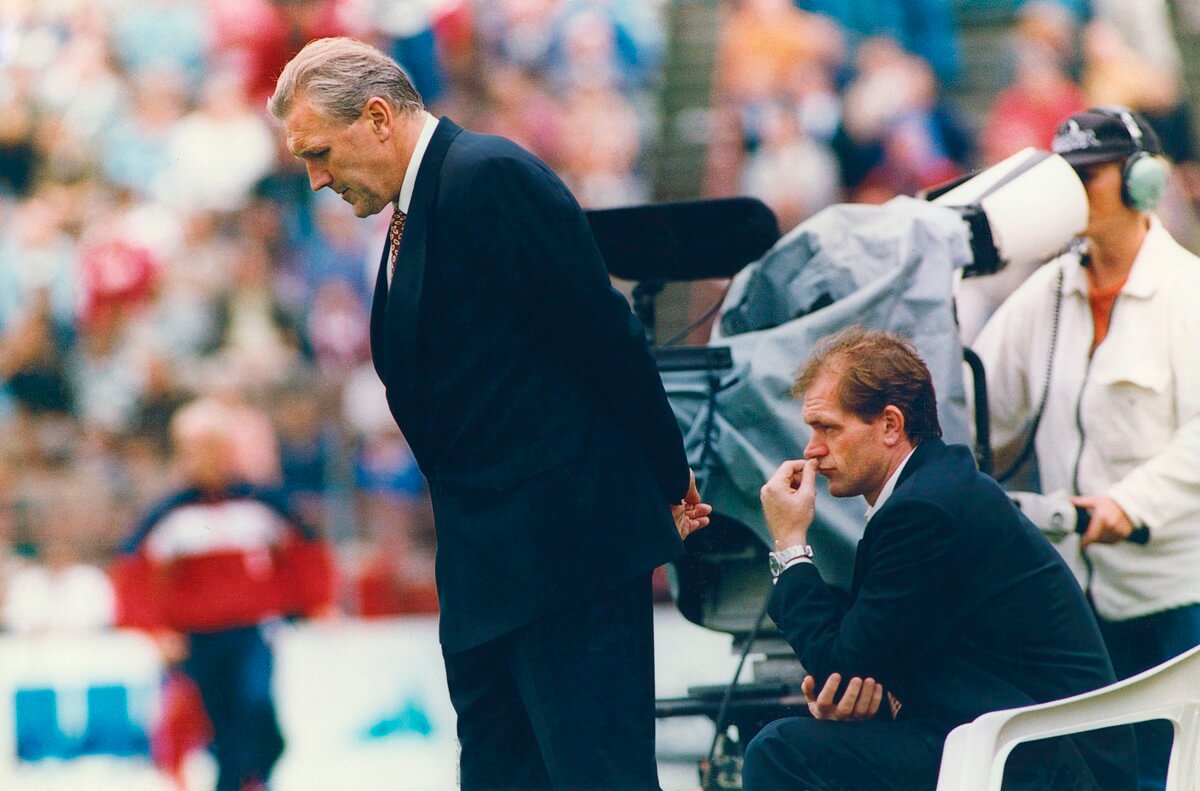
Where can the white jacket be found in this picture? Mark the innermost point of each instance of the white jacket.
(1124, 423)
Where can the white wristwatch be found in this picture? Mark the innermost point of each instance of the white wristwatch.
(778, 561)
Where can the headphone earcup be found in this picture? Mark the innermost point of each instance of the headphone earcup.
(1143, 181)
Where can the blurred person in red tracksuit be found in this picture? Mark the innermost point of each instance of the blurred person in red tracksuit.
(209, 570)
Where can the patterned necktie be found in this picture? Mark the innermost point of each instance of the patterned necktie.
(395, 234)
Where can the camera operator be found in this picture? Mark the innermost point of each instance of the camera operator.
(957, 604)
(1093, 364)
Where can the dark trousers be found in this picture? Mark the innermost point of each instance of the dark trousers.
(803, 754)
(1139, 644)
(812, 755)
(232, 669)
(564, 702)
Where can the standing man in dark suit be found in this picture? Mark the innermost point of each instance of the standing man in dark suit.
(533, 406)
(957, 604)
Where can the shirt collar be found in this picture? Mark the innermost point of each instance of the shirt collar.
(404, 199)
(1142, 280)
(888, 487)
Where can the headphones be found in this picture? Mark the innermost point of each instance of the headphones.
(1144, 176)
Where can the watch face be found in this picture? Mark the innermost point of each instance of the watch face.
(774, 564)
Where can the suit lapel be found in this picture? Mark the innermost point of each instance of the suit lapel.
(379, 355)
(927, 450)
(395, 310)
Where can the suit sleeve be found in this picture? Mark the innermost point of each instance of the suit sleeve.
(527, 220)
(902, 612)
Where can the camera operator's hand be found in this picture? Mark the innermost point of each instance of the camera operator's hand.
(788, 501)
(691, 514)
(859, 702)
(1109, 523)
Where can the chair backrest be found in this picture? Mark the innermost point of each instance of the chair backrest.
(975, 752)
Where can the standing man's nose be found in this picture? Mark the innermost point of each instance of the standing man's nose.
(318, 177)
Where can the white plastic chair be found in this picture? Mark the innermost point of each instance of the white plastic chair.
(975, 752)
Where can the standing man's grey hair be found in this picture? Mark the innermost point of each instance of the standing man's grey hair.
(338, 76)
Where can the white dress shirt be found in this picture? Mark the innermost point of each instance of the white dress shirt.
(404, 199)
(888, 487)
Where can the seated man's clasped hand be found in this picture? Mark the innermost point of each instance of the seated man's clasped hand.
(860, 701)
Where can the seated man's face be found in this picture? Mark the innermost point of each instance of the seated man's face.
(850, 452)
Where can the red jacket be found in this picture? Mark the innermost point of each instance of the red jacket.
(201, 562)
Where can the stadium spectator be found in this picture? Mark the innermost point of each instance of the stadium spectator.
(590, 48)
(898, 136)
(792, 173)
(1146, 27)
(1113, 328)
(924, 28)
(393, 577)
(107, 368)
(407, 31)
(257, 37)
(957, 606)
(220, 151)
(521, 109)
(136, 149)
(258, 334)
(218, 563)
(82, 93)
(600, 145)
(338, 330)
(811, 90)
(161, 397)
(37, 253)
(33, 366)
(305, 443)
(167, 36)
(519, 32)
(1116, 75)
(333, 252)
(769, 55)
(1042, 93)
(761, 41)
(18, 154)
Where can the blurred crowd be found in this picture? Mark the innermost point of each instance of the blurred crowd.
(819, 101)
(158, 243)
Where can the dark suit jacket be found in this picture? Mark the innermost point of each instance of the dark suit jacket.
(958, 605)
(526, 389)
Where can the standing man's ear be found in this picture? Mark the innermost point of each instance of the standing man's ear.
(381, 117)
(893, 425)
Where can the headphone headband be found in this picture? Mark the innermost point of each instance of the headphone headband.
(1131, 126)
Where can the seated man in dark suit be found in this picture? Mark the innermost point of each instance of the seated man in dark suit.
(957, 606)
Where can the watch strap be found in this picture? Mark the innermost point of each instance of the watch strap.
(787, 556)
